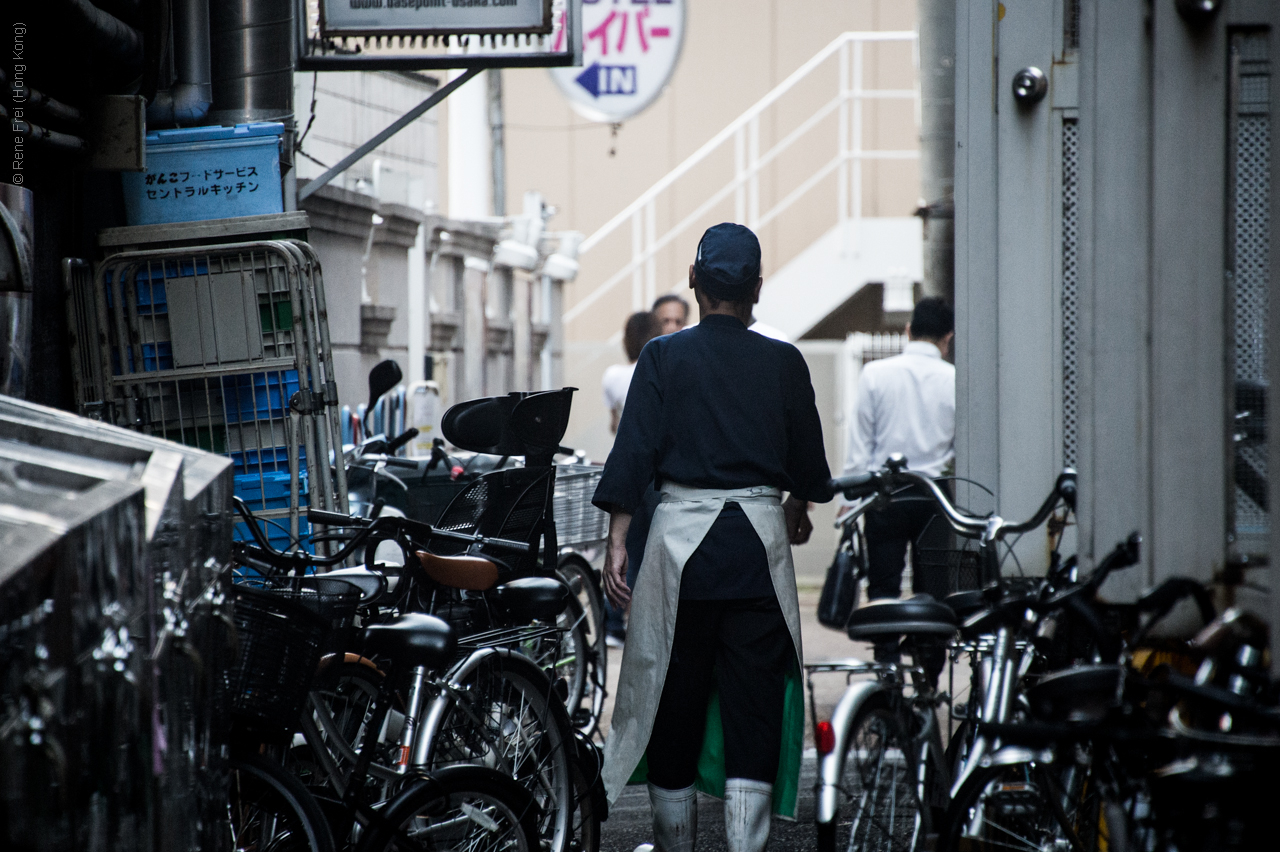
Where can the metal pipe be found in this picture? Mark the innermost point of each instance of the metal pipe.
(40, 102)
(56, 110)
(43, 136)
(937, 20)
(252, 44)
(497, 144)
(188, 100)
(118, 40)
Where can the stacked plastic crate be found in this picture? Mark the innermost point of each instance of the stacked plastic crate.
(224, 348)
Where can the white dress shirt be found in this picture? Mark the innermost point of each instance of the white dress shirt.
(906, 404)
(769, 331)
(616, 382)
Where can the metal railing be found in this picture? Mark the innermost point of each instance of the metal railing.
(741, 137)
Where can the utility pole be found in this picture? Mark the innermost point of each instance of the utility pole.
(937, 21)
(497, 146)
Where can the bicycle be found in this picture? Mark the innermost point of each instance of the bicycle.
(283, 625)
(881, 751)
(494, 706)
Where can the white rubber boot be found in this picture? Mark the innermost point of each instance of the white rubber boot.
(747, 807)
(675, 820)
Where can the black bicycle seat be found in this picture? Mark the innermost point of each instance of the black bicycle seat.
(371, 584)
(529, 599)
(919, 615)
(965, 604)
(412, 639)
(1084, 694)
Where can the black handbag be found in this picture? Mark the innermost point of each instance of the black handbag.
(840, 590)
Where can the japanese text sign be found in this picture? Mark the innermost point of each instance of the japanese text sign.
(629, 51)
(424, 17)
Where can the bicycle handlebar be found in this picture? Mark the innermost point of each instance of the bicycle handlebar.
(860, 485)
(419, 528)
(366, 527)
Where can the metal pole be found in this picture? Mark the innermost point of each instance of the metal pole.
(937, 48)
(497, 142)
(842, 138)
(637, 254)
(391, 130)
(651, 258)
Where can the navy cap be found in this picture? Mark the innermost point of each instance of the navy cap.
(728, 262)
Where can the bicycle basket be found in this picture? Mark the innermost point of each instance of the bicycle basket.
(944, 571)
(283, 627)
(577, 520)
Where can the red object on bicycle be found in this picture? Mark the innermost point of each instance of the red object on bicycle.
(825, 737)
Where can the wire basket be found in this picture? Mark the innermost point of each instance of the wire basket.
(284, 626)
(577, 521)
(943, 572)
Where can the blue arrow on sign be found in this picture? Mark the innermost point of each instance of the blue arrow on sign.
(590, 79)
(608, 79)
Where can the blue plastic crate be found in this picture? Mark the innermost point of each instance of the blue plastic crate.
(202, 173)
(274, 459)
(278, 534)
(258, 396)
(269, 490)
(151, 296)
(155, 356)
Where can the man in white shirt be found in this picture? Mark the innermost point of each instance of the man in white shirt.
(906, 404)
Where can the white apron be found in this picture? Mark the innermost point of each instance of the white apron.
(680, 522)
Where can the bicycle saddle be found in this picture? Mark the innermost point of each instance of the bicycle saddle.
(460, 572)
(529, 599)
(412, 639)
(1082, 694)
(965, 604)
(371, 584)
(918, 615)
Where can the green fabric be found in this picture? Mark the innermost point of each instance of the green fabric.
(710, 778)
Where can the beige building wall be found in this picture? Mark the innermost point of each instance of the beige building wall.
(735, 52)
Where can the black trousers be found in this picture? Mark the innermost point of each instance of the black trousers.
(742, 648)
(914, 518)
(888, 532)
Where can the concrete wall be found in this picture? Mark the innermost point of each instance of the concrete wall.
(734, 53)
(1116, 255)
(350, 107)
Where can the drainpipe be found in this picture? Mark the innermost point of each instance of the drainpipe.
(252, 61)
(937, 144)
(188, 100)
(116, 39)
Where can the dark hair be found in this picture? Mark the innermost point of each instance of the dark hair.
(641, 327)
(671, 297)
(932, 319)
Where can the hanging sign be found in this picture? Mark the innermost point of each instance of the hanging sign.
(433, 17)
(629, 51)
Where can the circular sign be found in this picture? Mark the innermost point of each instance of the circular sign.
(629, 51)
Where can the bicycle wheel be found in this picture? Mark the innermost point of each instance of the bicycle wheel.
(333, 728)
(1023, 806)
(510, 718)
(581, 579)
(270, 811)
(565, 656)
(586, 818)
(471, 808)
(879, 807)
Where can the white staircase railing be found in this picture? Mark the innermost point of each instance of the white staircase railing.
(742, 138)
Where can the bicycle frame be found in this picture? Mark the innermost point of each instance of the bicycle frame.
(831, 765)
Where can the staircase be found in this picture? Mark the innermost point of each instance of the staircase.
(801, 167)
